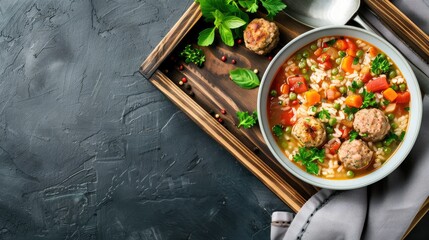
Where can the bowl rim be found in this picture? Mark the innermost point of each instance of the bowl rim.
(414, 121)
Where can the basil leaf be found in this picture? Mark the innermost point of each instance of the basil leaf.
(244, 78)
(233, 22)
(206, 37)
(226, 35)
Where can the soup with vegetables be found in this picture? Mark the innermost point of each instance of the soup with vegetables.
(338, 108)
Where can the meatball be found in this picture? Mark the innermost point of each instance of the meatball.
(309, 131)
(261, 36)
(355, 155)
(372, 124)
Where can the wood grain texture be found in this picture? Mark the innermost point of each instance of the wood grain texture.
(402, 26)
(240, 151)
(170, 41)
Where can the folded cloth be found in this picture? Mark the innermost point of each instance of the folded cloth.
(383, 210)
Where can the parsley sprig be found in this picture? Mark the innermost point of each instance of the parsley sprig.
(309, 157)
(247, 120)
(380, 64)
(324, 114)
(369, 99)
(193, 55)
(278, 130)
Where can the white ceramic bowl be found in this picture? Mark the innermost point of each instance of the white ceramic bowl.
(415, 106)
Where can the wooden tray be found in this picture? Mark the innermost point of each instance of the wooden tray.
(209, 90)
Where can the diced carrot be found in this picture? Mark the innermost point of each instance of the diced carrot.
(373, 52)
(347, 123)
(354, 101)
(341, 44)
(346, 64)
(390, 94)
(351, 52)
(365, 74)
(297, 84)
(318, 52)
(332, 93)
(377, 84)
(312, 97)
(284, 88)
(404, 97)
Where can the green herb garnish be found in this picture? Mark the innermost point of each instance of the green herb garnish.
(354, 86)
(193, 55)
(324, 114)
(369, 99)
(350, 110)
(353, 135)
(247, 120)
(244, 78)
(380, 64)
(355, 60)
(308, 158)
(278, 130)
(407, 109)
(331, 42)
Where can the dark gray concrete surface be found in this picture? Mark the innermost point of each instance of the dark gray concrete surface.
(89, 149)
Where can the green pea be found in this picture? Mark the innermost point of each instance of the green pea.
(305, 54)
(304, 70)
(391, 116)
(334, 71)
(288, 129)
(338, 61)
(307, 77)
(394, 125)
(379, 144)
(273, 93)
(337, 106)
(332, 122)
(331, 136)
(359, 83)
(394, 87)
(313, 109)
(302, 64)
(342, 53)
(313, 47)
(284, 144)
(342, 89)
(387, 150)
(340, 77)
(298, 56)
(292, 96)
(313, 67)
(329, 129)
(280, 102)
(392, 74)
(350, 174)
(402, 87)
(359, 53)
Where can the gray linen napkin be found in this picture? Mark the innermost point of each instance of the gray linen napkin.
(383, 210)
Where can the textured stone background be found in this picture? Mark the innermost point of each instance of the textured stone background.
(89, 149)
